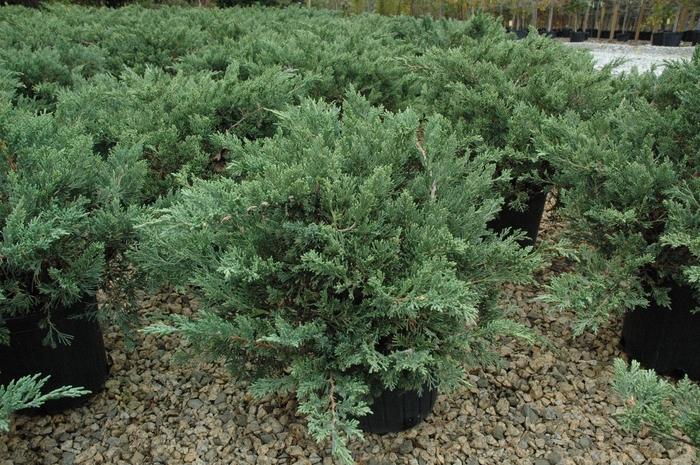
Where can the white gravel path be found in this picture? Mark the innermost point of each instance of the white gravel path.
(643, 57)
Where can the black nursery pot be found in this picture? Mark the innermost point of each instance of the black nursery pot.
(672, 39)
(83, 363)
(667, 340)
(667, 39)
(395, 411)
(577, 36)
(528, 220)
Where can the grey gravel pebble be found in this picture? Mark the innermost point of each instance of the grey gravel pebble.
(554, 458)
(542, 407)
(499, 432)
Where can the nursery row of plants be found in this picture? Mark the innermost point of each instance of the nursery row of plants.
(333, 189)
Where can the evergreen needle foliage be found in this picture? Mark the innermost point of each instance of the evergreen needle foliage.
(503, 91)
(350, 256)
(630, 190)
(65, 215)
(671, 411)
(26, 393)
(184, 81)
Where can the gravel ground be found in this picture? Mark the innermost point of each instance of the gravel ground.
(544, 408)
(637, 54)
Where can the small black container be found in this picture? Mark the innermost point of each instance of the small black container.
(577, 36)
(622, 37)
(395, 411)
(667, 39)
(528, 220)
(672, 39)
(83, 363)
(667, 340)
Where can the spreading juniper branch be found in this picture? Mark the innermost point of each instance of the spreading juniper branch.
(601, 287)
(671, 411)
(26, 393)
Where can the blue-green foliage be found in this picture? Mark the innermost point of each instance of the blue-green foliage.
(178, 119)
(670, 411)
(179, 81)
(129, 74)
(64, 210)
(629, 180)
(26, 393)
(351, 256)
(502, 91)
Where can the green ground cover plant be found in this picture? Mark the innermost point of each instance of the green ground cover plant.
(669, 410)
(306, 167)
(182, 120)
(130, 73)
(353, 257)
(629, 180)
(184, 81)
(502, 91)
(65, 215)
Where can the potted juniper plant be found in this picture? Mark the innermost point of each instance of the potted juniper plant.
(501, 91)
(64, 225)
(348, 260)
(669, 410)
(631, 195)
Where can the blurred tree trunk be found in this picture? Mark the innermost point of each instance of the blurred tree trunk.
(586, 17)
(602, 19)
(677, 20)
(684, 19)
(626, 18)
(640, 20)
(613, 22)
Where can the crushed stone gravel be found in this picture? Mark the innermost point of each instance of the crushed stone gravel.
(640, 55)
